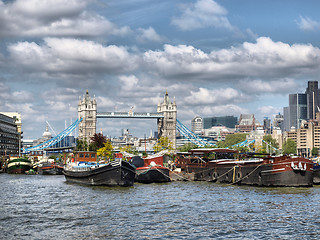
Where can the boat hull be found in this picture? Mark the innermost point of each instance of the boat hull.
(275, 172)
(316, 174)
(18, 166)
(116, 174)
(152, 175)
(48, 168)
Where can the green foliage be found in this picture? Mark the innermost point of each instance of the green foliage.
(82, 145)
(129, 149)
(315, 151)
(163, 144)
(106, 150)
(289, 147)
(242, 149)
(186, 147)
(231, 140)
(97, 141)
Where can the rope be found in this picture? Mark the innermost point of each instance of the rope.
(246, 175)
(186, 179)
(224, 173)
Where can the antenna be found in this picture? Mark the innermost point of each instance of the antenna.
(51, 128)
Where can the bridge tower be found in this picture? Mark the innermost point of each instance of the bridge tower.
(87, 110)
(167, 124)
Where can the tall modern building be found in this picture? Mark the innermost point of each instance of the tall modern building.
(278, 122)
(227, 121)
(298, 109)
(196, 125)
(313, 99)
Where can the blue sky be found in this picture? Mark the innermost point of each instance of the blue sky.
(216, 58)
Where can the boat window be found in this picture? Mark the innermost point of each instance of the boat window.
(81, 155)
(93, 155)
(87, 155)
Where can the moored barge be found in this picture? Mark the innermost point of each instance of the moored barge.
(50, 168)
(228, 166)
(114, 173)
(151, 170)
(18, 165)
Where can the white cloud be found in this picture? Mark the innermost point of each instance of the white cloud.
(264, 59)
(203, 13)
(216, 96)
(71, 56)
(149, 34)
(129, 83)
(33, 18)
(221, 110)
(268, 111)
(280, 86)
(307, 24)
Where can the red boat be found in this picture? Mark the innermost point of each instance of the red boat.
(151, 169)
(228, 166)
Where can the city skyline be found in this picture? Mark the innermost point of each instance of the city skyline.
(217, 58)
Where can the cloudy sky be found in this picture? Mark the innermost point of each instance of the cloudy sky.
(217, 58)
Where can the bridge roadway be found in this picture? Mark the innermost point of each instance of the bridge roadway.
(129, 115)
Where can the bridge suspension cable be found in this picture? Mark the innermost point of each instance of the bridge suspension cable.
(58, 138)
(189, 135)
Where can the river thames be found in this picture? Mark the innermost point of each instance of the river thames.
(46, 207)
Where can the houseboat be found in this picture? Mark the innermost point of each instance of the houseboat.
(151, 169)
(228, 166)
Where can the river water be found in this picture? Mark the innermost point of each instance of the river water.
(46, 207)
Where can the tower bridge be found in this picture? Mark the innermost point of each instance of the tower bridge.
(166, 116)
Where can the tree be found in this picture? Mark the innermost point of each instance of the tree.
(82, 145)
(106, 151)
(129, 149)
(97, 141)
(232, 139)
(186, 147)
(163, 144)
(289, 147)
(315, 151)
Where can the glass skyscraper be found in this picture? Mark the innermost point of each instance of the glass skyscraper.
(227, 121)
(313, 99)
(298, 109)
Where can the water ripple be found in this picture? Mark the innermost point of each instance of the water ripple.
(46, 207)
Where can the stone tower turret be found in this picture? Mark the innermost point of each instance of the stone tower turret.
(87, 110)
(167, 125)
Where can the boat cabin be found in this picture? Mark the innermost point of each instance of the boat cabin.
(201, 156)
(84, 156)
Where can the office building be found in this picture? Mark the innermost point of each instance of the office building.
(196, 125)
(227, 121)
(278, 122)
(9, 136)
(312, 92)
(298, 109)
(247, 123)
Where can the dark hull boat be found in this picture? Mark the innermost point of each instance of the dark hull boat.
(316, 173)
(115, 173)
(155, 174)
(19, 165)
(259, 170)
(50, 168)
(151, 169)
